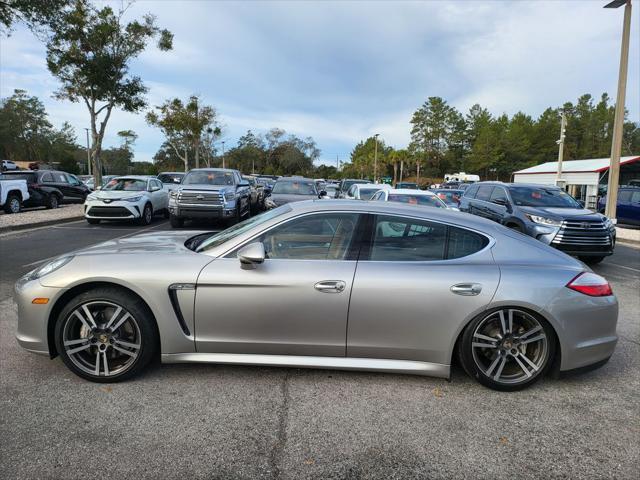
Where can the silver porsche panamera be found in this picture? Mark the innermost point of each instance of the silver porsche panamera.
(324, 284)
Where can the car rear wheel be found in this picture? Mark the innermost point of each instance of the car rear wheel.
(507, 349)
(53, 201)
(147, 215)
(106, 335)
(176, 222)
(13, 204)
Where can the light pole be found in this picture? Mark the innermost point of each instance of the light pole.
(375, 160)
(560, 142)
(223, 154)
(88, 154)
(618, 124)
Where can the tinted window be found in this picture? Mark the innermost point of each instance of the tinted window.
(624, 196)
(367, 193)
(542, 197)
(156, 183)
(295, 188)
(402, 239)
(635, 197)
(498, 194)
(60, 177)
(471, 191)
(312, 237)
(484, 193)
(208, 178)
(170, 177)
(47, 177)
(463, 242)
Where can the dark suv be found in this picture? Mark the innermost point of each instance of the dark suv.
(50, 188)
(546, 213)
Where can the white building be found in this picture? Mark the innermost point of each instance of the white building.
(582, 178)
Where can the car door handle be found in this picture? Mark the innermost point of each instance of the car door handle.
(466, 289)
(330, 286)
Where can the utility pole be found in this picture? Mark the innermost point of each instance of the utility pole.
(337, 163)
(618, 124)
(560, 142)
(401, 168)
(223, 164)
(88, 154)
(197, 140)
(418, 172)
(375, 160)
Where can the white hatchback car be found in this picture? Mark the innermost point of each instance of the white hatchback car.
(364, 191)
(128, 198)
(410, 197)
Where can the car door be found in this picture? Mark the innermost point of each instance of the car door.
(61, 182)
(416, 284)
(479, 205)
(295, 303)
(159, 197)
(624, 204)
(498, 205)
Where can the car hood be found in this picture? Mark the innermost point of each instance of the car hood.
(154, 243)
(282, 198)
(116, 194)
(204, 188)
(563, 213)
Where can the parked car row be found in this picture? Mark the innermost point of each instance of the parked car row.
(46, 188)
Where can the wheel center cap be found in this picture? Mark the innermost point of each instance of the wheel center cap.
(103, 338)
(508, 344)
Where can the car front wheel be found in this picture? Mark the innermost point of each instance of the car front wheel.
(507, 349)
(106, 335)
(13, 204)
(147, 215)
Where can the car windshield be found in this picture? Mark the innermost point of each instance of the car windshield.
(427, 200)
(208, 178)
(542, 197)
(367, 193)
(127, 185)
(295, 188)
(449, 196)
(239, 228)
(170, 177)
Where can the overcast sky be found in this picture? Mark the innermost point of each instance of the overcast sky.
(340, 71)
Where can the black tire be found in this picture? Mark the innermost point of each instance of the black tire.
(13, 203)
(141, 318)
(176, 222)
(592, 260)
(53, 201)
(166, 213)
(147, 215)
(93, 221)
(237, 217)
(471, 363)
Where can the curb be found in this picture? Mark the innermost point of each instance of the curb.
(45, 223)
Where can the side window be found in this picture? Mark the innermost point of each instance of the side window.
(624, 196)
(157, 184)
(498, 194)
(403, 239)
(635, 197)
(47, 177)
(60, 177)
(312, 237)
(352, 191)
(484, 192)
(464, 242)
(471, 191)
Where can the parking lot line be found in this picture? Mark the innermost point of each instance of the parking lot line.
(622, 266)
(116, 238)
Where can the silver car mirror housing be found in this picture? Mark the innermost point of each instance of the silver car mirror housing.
(251, 255)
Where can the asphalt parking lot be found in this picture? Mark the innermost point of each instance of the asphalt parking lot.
(199, 421)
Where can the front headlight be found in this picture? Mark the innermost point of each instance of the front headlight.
(607, 222)
(134, 199)
(544, 220)
(229, 196)
(173, 193)
(47, 268)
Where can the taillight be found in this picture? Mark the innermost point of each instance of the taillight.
(590, 284)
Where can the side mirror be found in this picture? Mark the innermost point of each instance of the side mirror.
(267, 190)
(251, 255)
(323, 193)
(244, 183)
(581, 203)
(98, 187)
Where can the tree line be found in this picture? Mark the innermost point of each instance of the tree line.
(444, 140)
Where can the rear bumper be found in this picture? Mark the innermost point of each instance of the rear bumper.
(586, 328)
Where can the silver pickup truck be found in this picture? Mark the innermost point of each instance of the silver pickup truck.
(12, 194)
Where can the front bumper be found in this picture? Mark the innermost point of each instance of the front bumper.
(579, 245)
(194, 210)
(119, 210)
(33, 319)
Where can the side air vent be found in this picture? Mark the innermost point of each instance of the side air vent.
(173, 296)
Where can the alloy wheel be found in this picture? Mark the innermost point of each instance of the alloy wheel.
(101, 338)
(14, 205)
(510, 346)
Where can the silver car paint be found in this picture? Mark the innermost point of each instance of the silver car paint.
(526, 273)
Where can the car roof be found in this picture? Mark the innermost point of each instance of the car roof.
(295, 179)
(171, 173)
(131, 177)
(411, 191)
(229, 170)
(383, 186)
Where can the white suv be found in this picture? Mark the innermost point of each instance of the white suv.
(127, 198)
